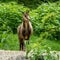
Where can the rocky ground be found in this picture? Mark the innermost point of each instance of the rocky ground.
(12, 55)
(18, 55)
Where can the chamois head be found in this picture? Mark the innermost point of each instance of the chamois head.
(26, 16)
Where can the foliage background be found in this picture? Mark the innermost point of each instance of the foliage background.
(45, 19)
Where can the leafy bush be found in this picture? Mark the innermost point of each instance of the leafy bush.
(10, 16)
(31, 4)
(9, 41)
(40, 51)
(46, 20)
(28, 1)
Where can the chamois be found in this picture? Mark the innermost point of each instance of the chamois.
(24, 30)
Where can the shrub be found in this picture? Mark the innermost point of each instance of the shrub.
(10, 16)
(9, 41)
(46, 18)
(40, 51)
(31, 4)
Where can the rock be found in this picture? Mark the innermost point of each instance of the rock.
(12, 55)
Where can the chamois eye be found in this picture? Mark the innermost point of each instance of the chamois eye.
(25, 15)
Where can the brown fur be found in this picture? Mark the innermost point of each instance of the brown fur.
(24, 30)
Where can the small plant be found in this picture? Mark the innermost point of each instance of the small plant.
(40, 52)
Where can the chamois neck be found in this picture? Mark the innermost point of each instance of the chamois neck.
(25, 23)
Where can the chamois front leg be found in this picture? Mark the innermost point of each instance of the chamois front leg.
(20, 45)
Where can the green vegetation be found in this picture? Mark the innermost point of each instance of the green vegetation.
(45, 19)
(31, 4)
(9, 13)
(8, 41)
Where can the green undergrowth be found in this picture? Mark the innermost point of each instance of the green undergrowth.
(11, 42)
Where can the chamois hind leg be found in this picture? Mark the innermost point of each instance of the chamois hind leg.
(22, 46)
